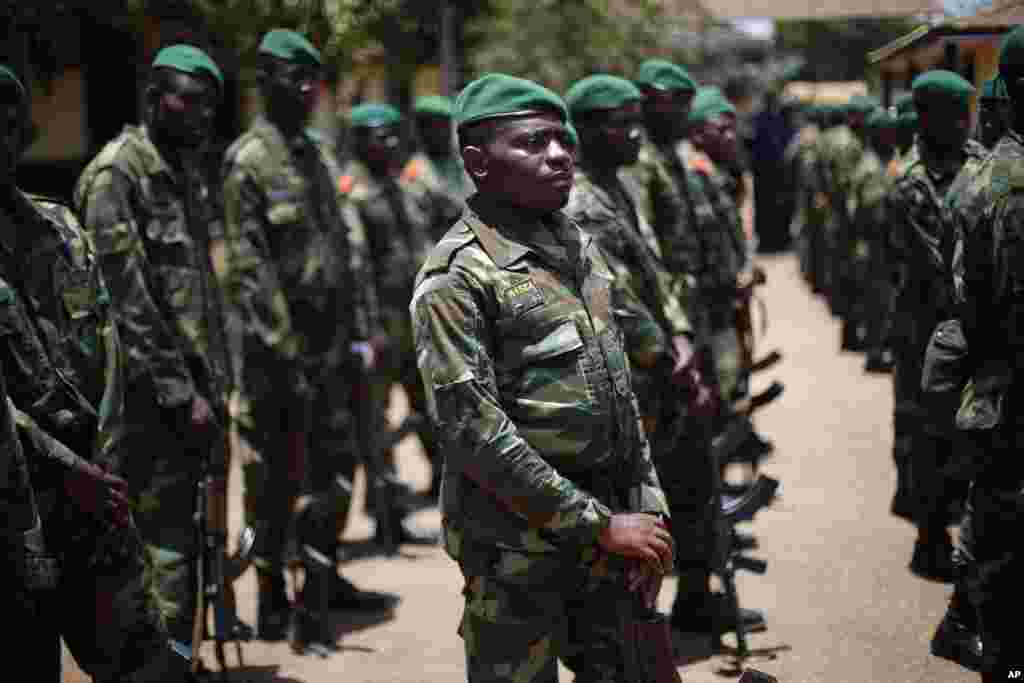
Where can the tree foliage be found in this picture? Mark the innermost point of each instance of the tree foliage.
(557, 42)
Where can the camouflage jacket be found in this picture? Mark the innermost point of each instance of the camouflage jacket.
(442, 186)
(605, 211)
(398, 236)
(838, 154)
(920, 241)
(287, 264)
(668, 198)
(154, 229)
(61, 353)
(723, 247)
(528, 384)
(985, 208)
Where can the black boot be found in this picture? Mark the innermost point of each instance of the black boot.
(933, 558)
(273, 608)
(957, 640)
(343, 595)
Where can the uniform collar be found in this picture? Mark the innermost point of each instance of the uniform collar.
(498, 231)
(28, 226)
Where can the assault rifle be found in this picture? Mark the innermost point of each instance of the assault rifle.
(216, 571)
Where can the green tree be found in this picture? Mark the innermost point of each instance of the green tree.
(557, 42)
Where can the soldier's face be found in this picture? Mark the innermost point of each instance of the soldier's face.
(717, 138)
(944, 125)
(292, 90)
(186, 108)
(620, 134)
(12, 132)
(528, 163)
(991, 122)
(380, 147)
(667, 109)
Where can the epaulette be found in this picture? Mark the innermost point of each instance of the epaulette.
(441, 256)
(412, 170)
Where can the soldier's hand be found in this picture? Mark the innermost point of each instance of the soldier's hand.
(684, 354)
(98, 493)
(202, 413)
(640, 536)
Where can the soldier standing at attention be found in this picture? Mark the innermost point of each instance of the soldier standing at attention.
(920, 247)
(436, 168)
(398, 238)
(989, 282)
(287, 272)
(551, 505)
(145, 202)
(77, 556)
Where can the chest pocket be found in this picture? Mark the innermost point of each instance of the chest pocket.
(172, 252)
(85, 302)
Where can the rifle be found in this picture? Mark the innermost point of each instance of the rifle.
(216, 571)
(647, 643)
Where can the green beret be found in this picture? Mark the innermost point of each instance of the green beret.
(708, 103)
(8, 77)
(1011, 54)
(600, 91)
(862, 104)
(662, 75)
(500, 95)
(994, 89)
(373, 115)
(433, 105)
(189, 59)
(904, 104)
(289, 46)
(943, 83)
(881, 119)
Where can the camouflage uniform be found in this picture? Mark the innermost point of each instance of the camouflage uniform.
(442, 188)
(869, 238)
(986, 218)
(397, 229)
(839, 153)
(64, 367)
(529, 386)
(287, 272)
(650, 310)
(152, 226)
(724, 256)
(919, 246)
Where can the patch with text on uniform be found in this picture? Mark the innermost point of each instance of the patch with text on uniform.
(523, 296)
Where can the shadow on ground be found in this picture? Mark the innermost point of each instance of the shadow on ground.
(258, 674)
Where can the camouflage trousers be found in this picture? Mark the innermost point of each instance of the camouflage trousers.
(290, 448)
(532, 610)
(162, 468)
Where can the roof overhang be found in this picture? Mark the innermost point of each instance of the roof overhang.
(819, 9)
(925, 46)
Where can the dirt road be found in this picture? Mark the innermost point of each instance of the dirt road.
(841, 605)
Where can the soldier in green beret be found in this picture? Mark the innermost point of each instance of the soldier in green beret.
(551, 504)
(919, 247)
(398, 221)
(871, 182)
(799, 156)
(436, 166)
(993, 112)
(147, 203)
(77, 560)
(288, 270)
(985, 214)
